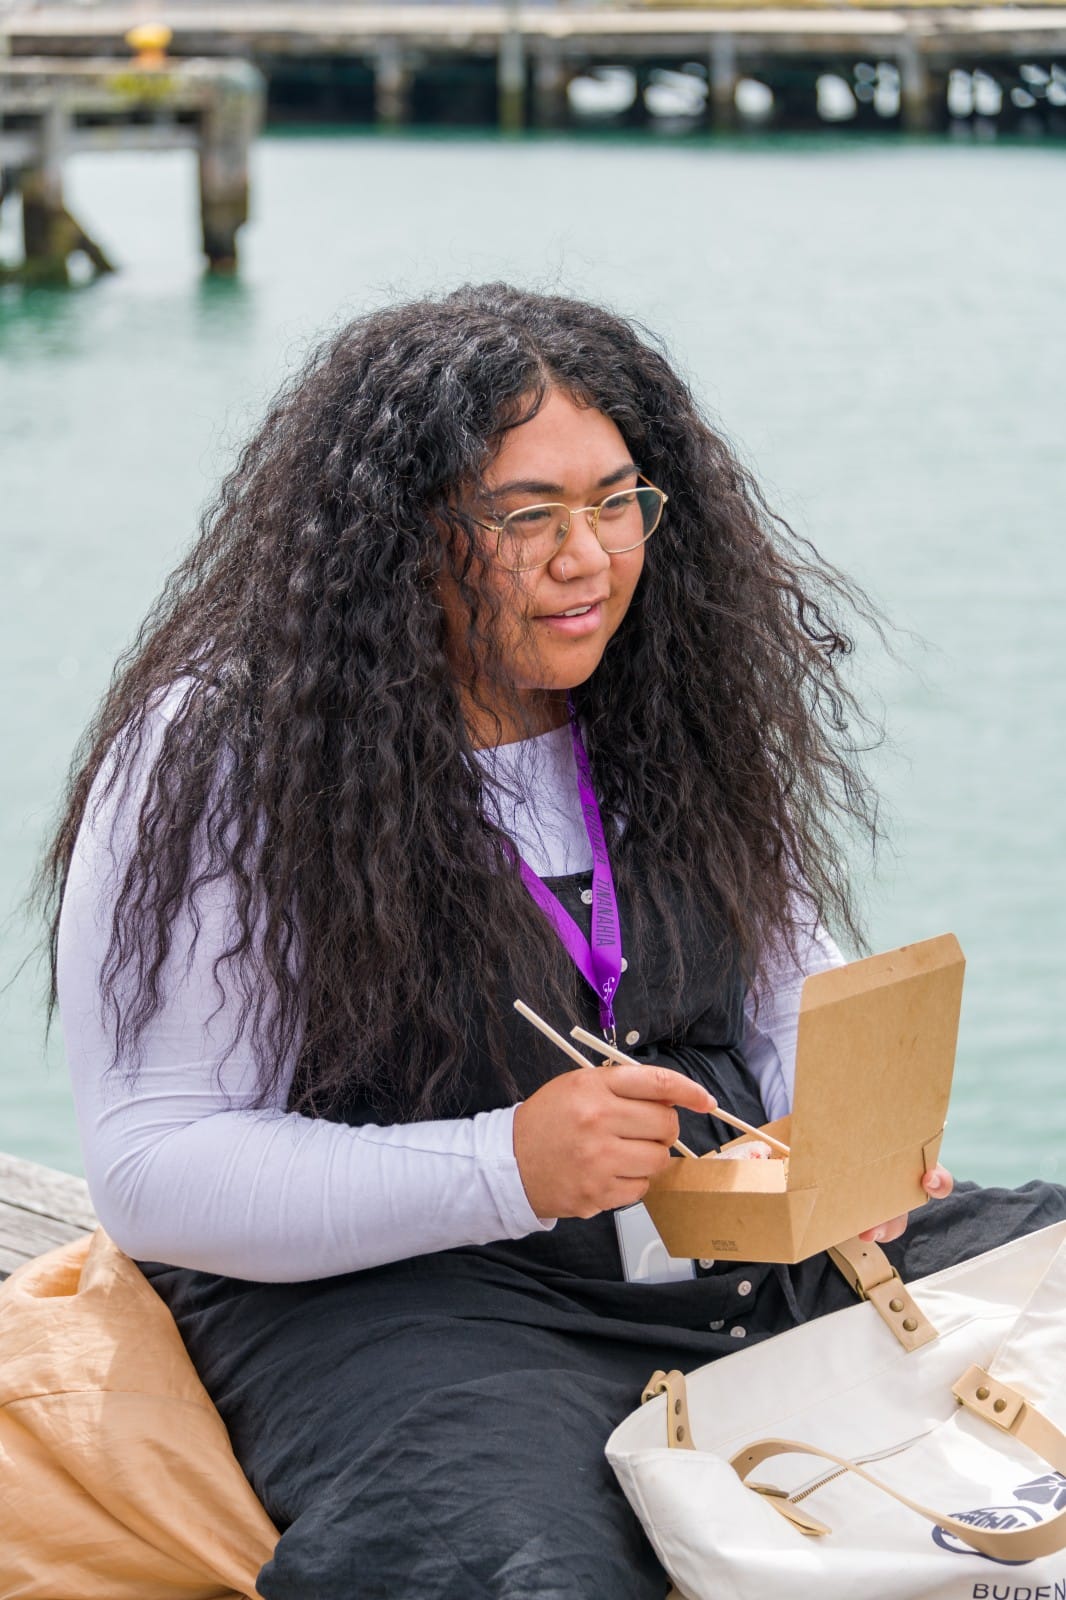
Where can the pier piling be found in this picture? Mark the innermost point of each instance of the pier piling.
(915, 90)
(550, 81)
(50, 235)
(392, 84)
(44, 229)
(722, 83)
(228, 126)
(511, 79)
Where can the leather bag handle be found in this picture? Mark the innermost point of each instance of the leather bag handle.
(998, 1404)
(873, 1277)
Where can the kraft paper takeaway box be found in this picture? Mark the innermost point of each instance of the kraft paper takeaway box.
(874, 1058)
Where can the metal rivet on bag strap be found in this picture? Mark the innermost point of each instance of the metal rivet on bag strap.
(874, 1278)
(976, 1387)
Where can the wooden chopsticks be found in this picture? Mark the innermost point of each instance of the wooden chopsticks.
(615, 1054)
(575, 1055)
(549, 1033)
(612, 1053)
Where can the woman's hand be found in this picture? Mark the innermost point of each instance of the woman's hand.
(937, 1182)
(592, 1139)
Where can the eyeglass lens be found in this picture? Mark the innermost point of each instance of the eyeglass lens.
(530, 537)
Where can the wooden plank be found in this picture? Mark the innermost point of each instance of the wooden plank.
(61, 1196)
(24, 1235)
(39, 1209)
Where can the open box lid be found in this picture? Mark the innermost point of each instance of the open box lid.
(894, 1019)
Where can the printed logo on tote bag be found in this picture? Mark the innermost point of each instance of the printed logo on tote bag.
(1047, 1492)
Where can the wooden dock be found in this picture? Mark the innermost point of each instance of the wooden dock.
(39, 1209)
(52, 108)
(514, 64)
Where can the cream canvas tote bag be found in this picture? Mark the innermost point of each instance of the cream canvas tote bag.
(909, 1448)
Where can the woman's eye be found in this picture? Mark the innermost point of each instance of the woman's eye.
(529, 520)
(617, 503)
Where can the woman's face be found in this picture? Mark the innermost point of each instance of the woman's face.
(574, 455)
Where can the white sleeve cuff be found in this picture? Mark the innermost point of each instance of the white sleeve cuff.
(494, 1145)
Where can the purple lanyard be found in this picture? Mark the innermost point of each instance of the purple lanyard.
(599, 960)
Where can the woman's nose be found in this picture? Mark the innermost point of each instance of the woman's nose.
(581, 550)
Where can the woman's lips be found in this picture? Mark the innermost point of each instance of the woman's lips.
(575, 627)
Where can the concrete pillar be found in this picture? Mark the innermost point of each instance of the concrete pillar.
(45, 232)
(50, 235)
(915, 89)
(722, 78)
(551, 108)
(228, 125)
(392, 84)
(511, 79)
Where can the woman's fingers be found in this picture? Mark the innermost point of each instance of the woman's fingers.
(628, 1192)
(658, 1083)
(640, 1158)
(645, 1119)
(589, 1140)
(885, 1231)
(937, 1183)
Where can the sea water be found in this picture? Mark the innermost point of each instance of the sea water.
(877, 325)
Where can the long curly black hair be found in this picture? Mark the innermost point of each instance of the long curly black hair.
(318, 758)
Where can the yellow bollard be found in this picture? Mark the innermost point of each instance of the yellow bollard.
(148, 41)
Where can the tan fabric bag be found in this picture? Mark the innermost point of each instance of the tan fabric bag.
(117, 1479)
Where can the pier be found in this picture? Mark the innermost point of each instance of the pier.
(912, 64)
(52, 107)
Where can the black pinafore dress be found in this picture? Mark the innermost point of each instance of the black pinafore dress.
(434, 1429)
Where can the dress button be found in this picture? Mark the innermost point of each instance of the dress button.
(738, 1332)
(586, 897)
(745, 1287)
(714, 1326)
(633, 1037)
(706, 1263)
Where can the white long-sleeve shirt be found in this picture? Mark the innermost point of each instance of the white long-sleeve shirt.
(183, 1168)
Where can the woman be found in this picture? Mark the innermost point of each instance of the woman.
(489, 677)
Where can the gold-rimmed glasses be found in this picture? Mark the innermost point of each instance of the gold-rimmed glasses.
(529, 537)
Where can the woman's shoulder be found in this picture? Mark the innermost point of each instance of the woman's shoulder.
(123, 779)
(170, 702)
